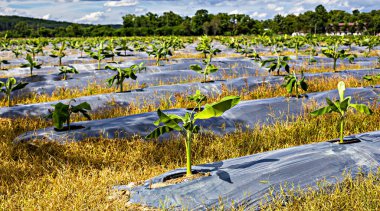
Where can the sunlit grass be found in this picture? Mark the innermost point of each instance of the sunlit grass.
(80, 175)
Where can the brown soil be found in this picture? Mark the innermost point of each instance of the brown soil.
(184, 178)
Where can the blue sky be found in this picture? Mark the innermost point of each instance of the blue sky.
(110, 12)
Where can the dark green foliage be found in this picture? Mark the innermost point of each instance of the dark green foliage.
(62, 113)
(318, 21)
(9, 86)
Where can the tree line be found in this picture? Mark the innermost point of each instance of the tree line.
(169, 23)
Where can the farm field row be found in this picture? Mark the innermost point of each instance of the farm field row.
(161, 103)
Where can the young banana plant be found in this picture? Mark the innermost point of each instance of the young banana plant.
(160, 51)
(64, 70)
(31, 64)
(9, 86)
(62, 113)
(186, 126)
(370, 42)
(34, 50)
(312, 44)
(17, 52)
(293, 83)
(123, 46)
(341, 107)
(110, 50)
(209, 68)
(254, 54)
(296, 43)
(335, 54)
(246, 48)
(99, 54)
(124, 73)
(198, 98)
(59, 53)
(274, 64)
(204, 45)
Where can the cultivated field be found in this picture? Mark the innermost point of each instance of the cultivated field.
(190, 123)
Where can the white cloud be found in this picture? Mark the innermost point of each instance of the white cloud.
(259, 15)
(271, 6)
(92, 17)
(297, 10)
(46, 17)
(11, 11)
(234, 12)
(140, 10)
(278, 9)
(122, 3)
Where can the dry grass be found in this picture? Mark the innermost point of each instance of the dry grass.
(79, 175)
(94, 88)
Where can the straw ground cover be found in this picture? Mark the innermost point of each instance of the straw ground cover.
(45, 175)
(95, 88)
(79, 175)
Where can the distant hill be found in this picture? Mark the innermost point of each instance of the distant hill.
(8, 23)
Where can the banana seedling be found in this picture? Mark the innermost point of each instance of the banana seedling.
(59, 53)
(372, 78)
(17, 52)
(123, 46)
(9, 86)
(204, 45)
(335, 54)
(99, 54)
(160, 51)
(313, 43)
(186, 126)
(209, 68)
(370, 42)
(246, 50)
(341, 107)
(292, 82)
(198, 98)
(296, 43)
(78, 45)
(62, 113)
(254, 54)
(274, 64)
(110, 50)
(64, 70)
(34, 50)
(124, 73)
(31, 64)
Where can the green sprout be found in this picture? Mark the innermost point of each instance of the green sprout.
(124, 73)
(293, 83)
(341, 107)
(9, 86)
(62, 113)
(59, 53)
(186, 126)
(64, 70)
(31, 64)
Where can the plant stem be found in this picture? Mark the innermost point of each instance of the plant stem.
(188, 153)
(68, 123)
(9, 99)
(334, 64)
(341, 129)
(98, 64)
